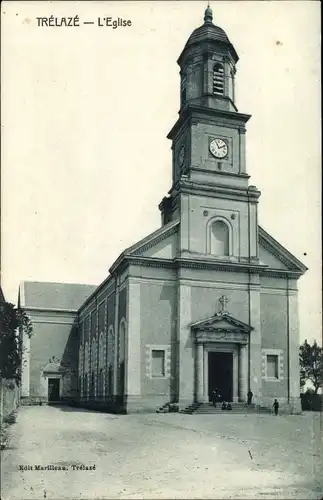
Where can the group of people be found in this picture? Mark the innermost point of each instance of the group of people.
(216, 396)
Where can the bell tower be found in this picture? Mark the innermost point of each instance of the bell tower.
(207, 68)
(210, 192)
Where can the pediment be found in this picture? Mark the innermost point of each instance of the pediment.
(275, 256)
(222, 322)
(53, 367)
(160, 244)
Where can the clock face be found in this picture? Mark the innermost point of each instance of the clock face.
(219, 148)
(181, 156)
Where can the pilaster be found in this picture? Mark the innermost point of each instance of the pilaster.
(185, 346)
(243, 372)
(116, 338)
(133, 354)
(206, 376)
(255, 378)
(235, 377)
(293, 335)
(199, 373)
(242, 151)
(185, 223)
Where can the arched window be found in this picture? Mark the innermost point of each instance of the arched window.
(218, 79)
(85, 387)
(86, 357)
(109, 361)
(122, 333)
(94, 355)
(92, 386)
(101, 362)
(121, 357)
(101, 351)
(80, 385)
(183, 90)
(81, 360)
(100, 391)
(220, 238)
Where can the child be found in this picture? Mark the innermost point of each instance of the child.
(276, 406)
(224, 406)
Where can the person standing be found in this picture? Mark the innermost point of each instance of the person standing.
(276, 407)
(249, 397)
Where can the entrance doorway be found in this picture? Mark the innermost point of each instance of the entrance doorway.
(221, 374)
(53, 390)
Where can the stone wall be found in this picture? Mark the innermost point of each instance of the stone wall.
(101, 349)
(157, 332)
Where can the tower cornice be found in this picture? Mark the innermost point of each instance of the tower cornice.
(185, 186)
(232, 118)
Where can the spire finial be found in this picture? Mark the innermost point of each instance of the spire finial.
(208, 14)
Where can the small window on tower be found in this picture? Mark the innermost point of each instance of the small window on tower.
(218, 79)
(183, 90)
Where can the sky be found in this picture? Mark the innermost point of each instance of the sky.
(85, 114)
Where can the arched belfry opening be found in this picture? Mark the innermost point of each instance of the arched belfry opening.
(219, 238)
(218, 79)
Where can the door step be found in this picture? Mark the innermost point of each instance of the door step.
(189, 410)
(209, 409)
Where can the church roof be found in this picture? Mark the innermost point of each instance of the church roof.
(209, 32)
(66, 296)
(279, 251)
(149, 241)
(152, 238)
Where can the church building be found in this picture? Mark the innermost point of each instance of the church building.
(209, 300)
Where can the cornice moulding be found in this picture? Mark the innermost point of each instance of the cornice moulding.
(186, 186)
(231, 118)
(33, 310)
(195, 168)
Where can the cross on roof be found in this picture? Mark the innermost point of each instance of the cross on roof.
(223, 301)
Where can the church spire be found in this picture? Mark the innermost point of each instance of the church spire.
(208, 14)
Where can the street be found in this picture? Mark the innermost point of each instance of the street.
(65, 453)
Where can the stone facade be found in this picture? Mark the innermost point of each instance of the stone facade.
(208, 299)
(52, 351)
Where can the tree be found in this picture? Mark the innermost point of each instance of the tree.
(311, 364)
(14, 322)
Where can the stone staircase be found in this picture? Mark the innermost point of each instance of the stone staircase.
(237, 408)
(189, 410)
